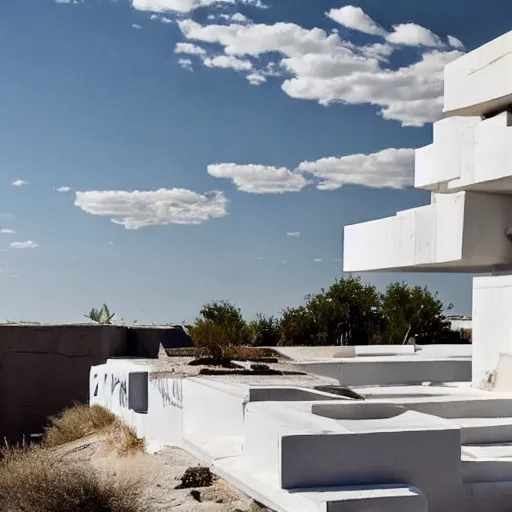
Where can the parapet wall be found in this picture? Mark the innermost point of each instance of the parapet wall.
(45, 368)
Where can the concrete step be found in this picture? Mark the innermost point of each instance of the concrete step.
(265, 489)
(479, 431)
(487, 462)
(380, 498)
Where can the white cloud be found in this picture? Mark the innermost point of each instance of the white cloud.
(136, 26)
(318, 260)
(6, 231)
(405, 33)
(23, 245)
(227, 62)
(141, 208)
(284, 262)
(186, 6)
(412, 95)
(161, 18)
(328, 69)
(261, 258)
(186, 64)
(356, 19)
(189, 49)
(455, 43)
(63, 189)
(259, 179)
(19, 183)
(389, 168)
(294, 234)
(256, 79)
(414, 35)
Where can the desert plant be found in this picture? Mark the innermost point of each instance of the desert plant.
(77, 422)
(210, 339)
(123, 439)
(35, 479)
(101, 316)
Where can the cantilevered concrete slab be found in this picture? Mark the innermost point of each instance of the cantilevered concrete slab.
(461, 232)
(480, 82)
(468, 153)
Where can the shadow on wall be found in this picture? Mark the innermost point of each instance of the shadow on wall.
(45, 368)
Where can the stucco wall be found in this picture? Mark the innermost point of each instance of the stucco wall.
(492, 326)
(45, 368)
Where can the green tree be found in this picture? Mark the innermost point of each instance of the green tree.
(101, 316)
(412, 312)
(229, 317)
(297, 327)
(356, 310)
(347, 311)
(264, 331)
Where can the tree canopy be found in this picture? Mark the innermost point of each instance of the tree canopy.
(349, 312)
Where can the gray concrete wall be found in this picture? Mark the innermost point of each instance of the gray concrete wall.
(45, 368)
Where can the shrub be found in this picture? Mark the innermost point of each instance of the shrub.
(35, 479)
(123, 439)
(210, 339)
(77, 422)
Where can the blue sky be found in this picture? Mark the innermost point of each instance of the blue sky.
(236, 123)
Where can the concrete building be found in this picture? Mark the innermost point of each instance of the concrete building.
(468, 225)
(423, 428)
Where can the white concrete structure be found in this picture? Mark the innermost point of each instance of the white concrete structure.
(468, 225)
(436, 446)
(422, 428)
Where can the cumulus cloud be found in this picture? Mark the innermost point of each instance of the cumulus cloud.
(141, 208)
(294, 234)
(185, 6)
(389, 168)
(186, 64)
(323, 67)
(23, 245)
(6, 231)
(189, 49)
(356, 19)
(63, 189)
(411, 34)
(161, 18)
(227, 62)
(259, 179)
(19, 183)
(136, 26)
(455, 43)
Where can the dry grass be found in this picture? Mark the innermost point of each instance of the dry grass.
(35, 479)
(123, 439)
(77, 422)
(80, 421)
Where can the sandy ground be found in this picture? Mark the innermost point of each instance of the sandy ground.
(159, 474)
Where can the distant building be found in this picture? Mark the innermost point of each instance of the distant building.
(460, 322)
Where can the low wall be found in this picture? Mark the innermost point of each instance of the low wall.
(45, 368)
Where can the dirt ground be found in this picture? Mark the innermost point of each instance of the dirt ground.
(160, 474)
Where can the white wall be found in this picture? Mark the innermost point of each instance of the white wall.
(450, 156)
(492, 325)
(428, 235)
(480, 80)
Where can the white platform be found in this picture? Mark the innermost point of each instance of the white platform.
(480, 82)
(298, 449)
